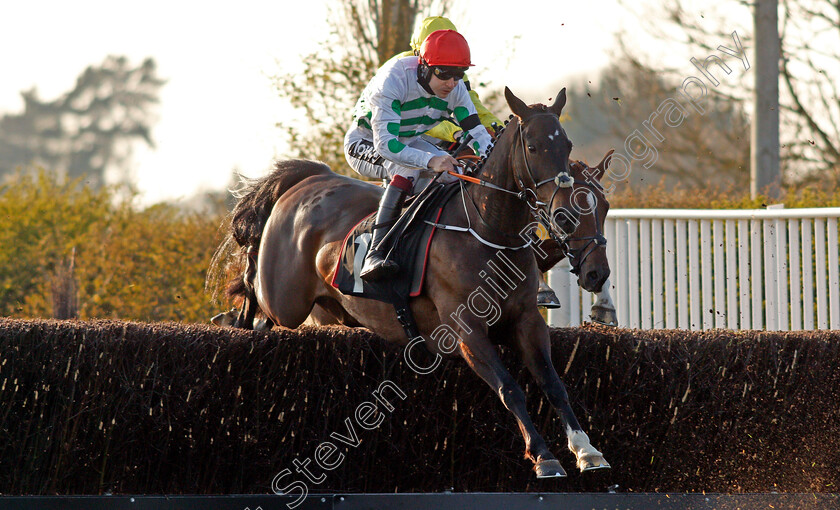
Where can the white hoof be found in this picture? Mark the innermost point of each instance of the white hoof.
(588, 458)
(592, 463)
(605, 316)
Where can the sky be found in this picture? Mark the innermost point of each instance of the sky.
(218, 109)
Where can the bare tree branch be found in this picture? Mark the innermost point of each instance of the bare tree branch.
(809, 102)
(363, 35)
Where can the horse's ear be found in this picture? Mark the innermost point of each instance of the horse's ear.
(603, 165)
(517, 106)
(559, 103)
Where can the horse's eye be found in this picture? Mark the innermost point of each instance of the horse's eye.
(532, 148)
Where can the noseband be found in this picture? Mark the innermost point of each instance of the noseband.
(595, 241)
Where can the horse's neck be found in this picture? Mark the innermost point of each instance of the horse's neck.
(504, 213)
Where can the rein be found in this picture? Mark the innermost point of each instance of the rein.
(469, 228)
(527, 194)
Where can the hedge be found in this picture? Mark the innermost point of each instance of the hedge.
(126, 407)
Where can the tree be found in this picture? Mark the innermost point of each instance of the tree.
(93, 246)
(89, 130)
(363, 35)
(714, 145)
(809, 71)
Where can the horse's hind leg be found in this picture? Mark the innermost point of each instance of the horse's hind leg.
(532, 335)
(285, 291)
(484, 359)
(319, 316)
(245, 320)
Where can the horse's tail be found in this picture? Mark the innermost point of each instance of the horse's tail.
(245, 223)
(257, 197)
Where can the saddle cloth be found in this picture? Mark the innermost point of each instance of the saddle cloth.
(408, 243)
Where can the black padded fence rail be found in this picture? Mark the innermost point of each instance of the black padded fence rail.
(455, 501)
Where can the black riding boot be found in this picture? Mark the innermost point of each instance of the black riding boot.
(376, 266)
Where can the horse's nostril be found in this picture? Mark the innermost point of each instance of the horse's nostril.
(595, 279)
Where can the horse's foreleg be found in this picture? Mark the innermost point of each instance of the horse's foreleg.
(546, 298)
(483, 358)
(603, 310)
(532, 336)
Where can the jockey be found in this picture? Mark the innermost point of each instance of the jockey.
(446, 130)
(407, 97)
(449, 132)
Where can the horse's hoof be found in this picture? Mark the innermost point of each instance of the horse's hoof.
(592, 463)
(604, 316)
(263, 325)
(549, 468)
(547, 299)
(225, 318)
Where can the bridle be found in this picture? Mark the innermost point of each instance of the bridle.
(594, 241)
(561, 181)
(528, 191)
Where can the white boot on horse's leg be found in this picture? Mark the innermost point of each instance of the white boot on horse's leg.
(603, 311)
(376, 266)
(546, 298)
(588, 458)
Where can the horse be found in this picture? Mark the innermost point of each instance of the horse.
(586, 246)
(299, 215)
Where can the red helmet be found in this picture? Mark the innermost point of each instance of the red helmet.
(446, 48)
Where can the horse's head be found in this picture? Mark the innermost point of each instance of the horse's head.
(540, 160)
(587, 247)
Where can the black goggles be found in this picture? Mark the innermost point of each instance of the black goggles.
(447, 73)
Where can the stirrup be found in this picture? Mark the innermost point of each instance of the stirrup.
(378, 268)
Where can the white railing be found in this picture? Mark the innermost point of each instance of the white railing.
(773, 269)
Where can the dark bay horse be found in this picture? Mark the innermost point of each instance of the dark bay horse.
(299, 215)
(585, 247)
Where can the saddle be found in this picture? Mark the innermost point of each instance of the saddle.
(407, 243)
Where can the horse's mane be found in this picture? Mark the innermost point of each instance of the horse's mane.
(480, 166)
